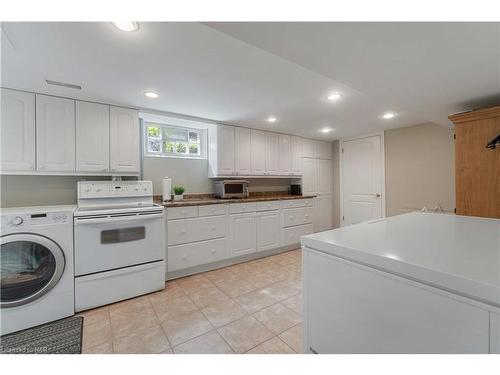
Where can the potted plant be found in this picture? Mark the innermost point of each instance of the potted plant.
(178, 193)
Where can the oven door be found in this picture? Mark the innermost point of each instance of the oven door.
(31, 265)
(108, 242)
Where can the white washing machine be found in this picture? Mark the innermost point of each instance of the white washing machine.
(36, 258)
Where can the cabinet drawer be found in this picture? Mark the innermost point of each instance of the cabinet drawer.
(297, 216)
(293, 203)
(237, 208)
(292, 235)
(182, 212)
(267, 206)
(191, 255)
(196, 229)
(213, 209)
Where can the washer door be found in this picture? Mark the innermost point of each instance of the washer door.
(31, 265)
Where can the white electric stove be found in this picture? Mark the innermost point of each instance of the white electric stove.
(120, 246)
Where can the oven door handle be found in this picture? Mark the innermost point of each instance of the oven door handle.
(117, 219)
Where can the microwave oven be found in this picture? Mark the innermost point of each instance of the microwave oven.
(231, 189)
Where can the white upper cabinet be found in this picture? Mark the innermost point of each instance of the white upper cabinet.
(221, 151)
(258, 140)
(124, 140)
(55, 133)
(309, 148)
(284, 155)
(242, 152)
(18, 130)
(324, 150)
(309, 176)
(92, 137)
(272, 146)
(324, 176)
(296, 155)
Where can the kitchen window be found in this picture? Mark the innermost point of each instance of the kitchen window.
(173, 141)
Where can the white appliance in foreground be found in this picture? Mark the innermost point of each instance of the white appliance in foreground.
(413, 283)
(36, 260)
(119, 242)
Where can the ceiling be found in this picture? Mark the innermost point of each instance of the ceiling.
(242, 73)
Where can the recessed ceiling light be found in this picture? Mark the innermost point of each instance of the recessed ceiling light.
(272, 119)
(151, 94)
(334, 96)
(326, 130)
(389, 115)
(126, 25)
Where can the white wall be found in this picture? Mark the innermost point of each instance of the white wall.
(419, 168)
(18, 191)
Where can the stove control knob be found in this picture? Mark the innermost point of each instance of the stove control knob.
(17, 220)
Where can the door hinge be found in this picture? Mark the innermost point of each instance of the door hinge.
(455, 210)
(342, 150)
(454, 136)
(343, 218)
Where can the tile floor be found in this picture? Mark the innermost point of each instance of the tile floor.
(253, 307)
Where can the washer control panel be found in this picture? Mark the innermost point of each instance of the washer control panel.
(39, 218)
(114, 189)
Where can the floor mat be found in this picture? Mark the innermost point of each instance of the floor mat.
(60, 337)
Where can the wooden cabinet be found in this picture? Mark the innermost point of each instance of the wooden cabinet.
(18, 130)
(296, 156)
(272, 145)
(55, 133)
(92, 137)
(124, 140)
(284, 155)
(242, 152)
(268, 230)
(242, 229)
(477, 168)
(258, 153)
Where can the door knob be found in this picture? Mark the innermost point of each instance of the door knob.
(377, 195)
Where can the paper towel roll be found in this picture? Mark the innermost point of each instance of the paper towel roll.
(167, 189)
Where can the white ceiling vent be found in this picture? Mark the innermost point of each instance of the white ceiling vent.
(63, 84)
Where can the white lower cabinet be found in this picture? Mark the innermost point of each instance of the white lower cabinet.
(291, 235)
(242, 231)
(268, 230)
(196, 229)
(195, 254)
(200, 235)
(297, 216)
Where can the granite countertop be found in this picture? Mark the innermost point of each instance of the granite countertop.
(206, 199)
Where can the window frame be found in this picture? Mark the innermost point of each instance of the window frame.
(202, 141)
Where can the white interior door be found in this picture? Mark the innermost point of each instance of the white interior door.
(362, 179)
